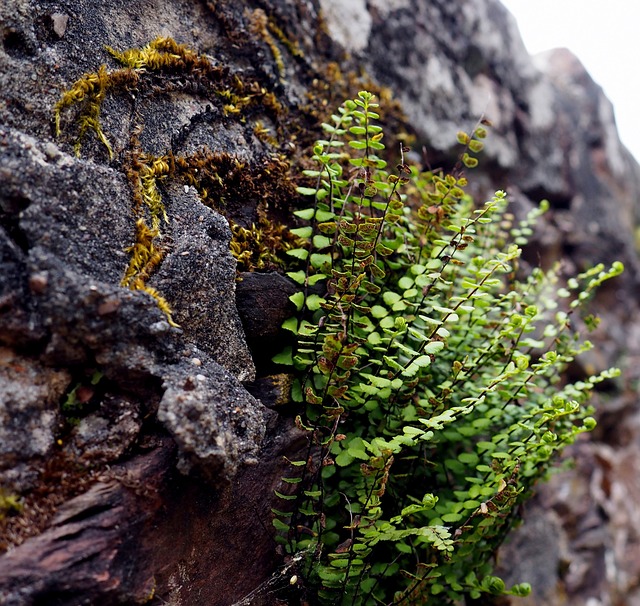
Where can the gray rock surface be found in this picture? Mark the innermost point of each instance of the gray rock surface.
(170, 398)
(212, 418)
(92, 375)
(71, 223)
(553, 134)
(29, 396)
(108, 433)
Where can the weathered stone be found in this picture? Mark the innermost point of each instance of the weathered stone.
(18, 320)
(263, 304)
(106, 434)
(73, 223)
(103, 547)
(539, 554)
(213, 419)
(274, 390)
(198, 279)
(29, 397)
(65, 225)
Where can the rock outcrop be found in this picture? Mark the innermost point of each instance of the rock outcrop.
(137, 458)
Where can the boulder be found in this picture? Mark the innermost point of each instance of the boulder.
(142, 430)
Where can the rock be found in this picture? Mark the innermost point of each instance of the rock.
(108, 433)
(29, 415)
(65, 225)
(213, 419)
(89, 526)
(18, 320)
(109, 515)
(91, 238)
(539, 554)
(198, 278)
(101, 547)
(59, 23)
(263, 304)
(553, 133)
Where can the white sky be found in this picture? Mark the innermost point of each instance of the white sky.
(605, 36)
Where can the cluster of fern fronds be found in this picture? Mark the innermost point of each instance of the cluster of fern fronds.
(428, 370)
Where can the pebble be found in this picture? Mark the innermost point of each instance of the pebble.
(59, 21)
(158, 328)
(38, 283)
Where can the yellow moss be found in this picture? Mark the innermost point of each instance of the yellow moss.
(260, 26)
(162, 54)
(145, 256)
(263, 246)
(9, 503)
(161, 302)
(264, 134)
(292, 45)
(239, 97)
(219, 178)
(90, 91)
(151, 169)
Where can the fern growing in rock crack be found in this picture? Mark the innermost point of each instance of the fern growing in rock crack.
(428, 370)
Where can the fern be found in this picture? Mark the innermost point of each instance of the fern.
(428, 370)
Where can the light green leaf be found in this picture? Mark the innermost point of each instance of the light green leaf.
(284, 357)
(279, 525)
(374, 338)
(319, 260)
(297, 276)
(377, 311)
(324, 215)
(315, 278)
(321, 241)
(393, 364)
(285, 497)
(306, 191)
(297, 299)
(433, 347)
(344, 459)
(302, 232)
(390, 297)
(291, 324)
(306, 213)
(313, 302)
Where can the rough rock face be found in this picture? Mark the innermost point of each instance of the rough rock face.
(145, 466)
(96, 387)
(553, 133)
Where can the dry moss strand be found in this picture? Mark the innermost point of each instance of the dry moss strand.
(260, 26)
(90, 91)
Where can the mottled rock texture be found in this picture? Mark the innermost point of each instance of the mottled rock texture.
(145, 467)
